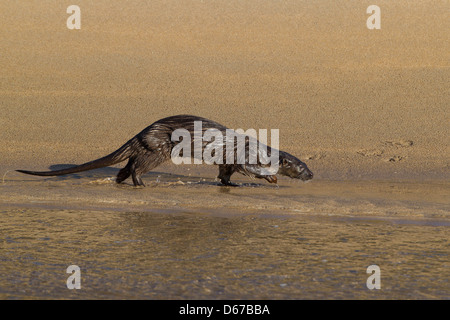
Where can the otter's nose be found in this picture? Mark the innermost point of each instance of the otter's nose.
(310, 175)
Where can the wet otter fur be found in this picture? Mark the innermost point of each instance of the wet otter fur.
(154, 145)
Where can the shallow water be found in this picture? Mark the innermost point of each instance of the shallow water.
(187, 238)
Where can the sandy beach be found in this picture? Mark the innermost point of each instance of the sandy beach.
(355, 103)
(367, 110)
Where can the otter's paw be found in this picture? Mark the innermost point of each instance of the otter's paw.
(271, 179)
(228, 184)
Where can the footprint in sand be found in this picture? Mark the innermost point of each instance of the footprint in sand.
(388, 145)
(370, 152)
(399, 143)
(395, 159)
(313, 157)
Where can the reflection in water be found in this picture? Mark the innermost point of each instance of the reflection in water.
(193, 255)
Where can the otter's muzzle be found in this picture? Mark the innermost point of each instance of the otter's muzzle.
(306, 175)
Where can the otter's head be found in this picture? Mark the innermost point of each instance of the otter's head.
(292, 167)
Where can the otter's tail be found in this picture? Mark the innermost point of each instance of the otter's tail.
(117, 156)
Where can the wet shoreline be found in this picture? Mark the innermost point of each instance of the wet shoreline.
(188, 238)
(144, 255)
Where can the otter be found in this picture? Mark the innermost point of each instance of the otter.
(154, 145)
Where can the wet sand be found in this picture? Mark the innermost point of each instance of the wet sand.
(132, 255)
(367, 110)
(195, 188)
(185, 237)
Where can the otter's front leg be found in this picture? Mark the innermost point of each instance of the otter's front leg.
(271, 179)
(225, 172)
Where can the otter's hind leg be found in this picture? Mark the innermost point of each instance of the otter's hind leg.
(139, 165)
(143, 164)
(130, 170)
(137, 181)
(125, 172)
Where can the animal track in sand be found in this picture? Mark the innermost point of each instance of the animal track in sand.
(399, 143)
(370, 152)
(394, 159)
(388, 144)
(313, 156)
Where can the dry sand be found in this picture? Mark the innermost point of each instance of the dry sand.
(353, 103)
(367, 110)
